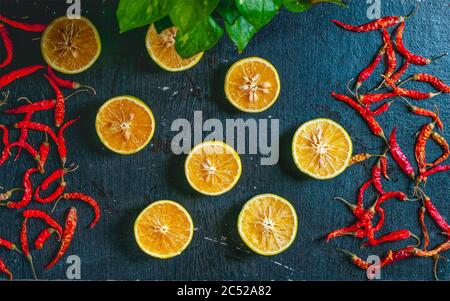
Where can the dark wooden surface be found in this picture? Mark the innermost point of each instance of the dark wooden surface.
(313, 58)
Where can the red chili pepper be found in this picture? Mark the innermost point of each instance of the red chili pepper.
(368, 99)
(420, 148)
(22, 25)
(381, 220)
(69, 231)
(416, 95)
(427, 113)
(440, 168)
(382, 109)
(7, 151)
(358, 158)
(8, 194)
(36, 126)
(23, 133)
(399, 156)
(60, 107)
(43, 105)
(392, 237)
(412, 58)
(390, 53)
(38, 214)
(432, 253)
(364, 113)
(433, 80)
(62, 149)
(53, 196)
(356, 260)
(8, 245)
(88, 200)
(445, 147)
(54, 176)
(374, 25)
(394, 256)
(5, 137)
(8, 46)
(43, 152)
(68, 84)
(43, 237)
(17, 74)
(25, 247)
(362, 191)
(28, 191)
(423, 227)
(367, 72)
(390, 195)
(4, 269)
(376, 177)
(397, 76)
(384, 167)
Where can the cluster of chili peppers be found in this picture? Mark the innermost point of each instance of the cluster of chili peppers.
(54, 135)
(365, 227)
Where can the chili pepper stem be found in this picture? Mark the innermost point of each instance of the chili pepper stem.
(417, 238)
(24, 98)
(352, 206)
(437, 57)
(4, 101)
(56, 203)
(30, 259)
(86, 87)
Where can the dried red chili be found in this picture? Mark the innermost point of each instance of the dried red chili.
(36, 126)
(69, 231)
(382, 109)
(43, 237)
(68, 84)
(376, 177)
(392, 237)
(440, 168)
(5, 137)
(62, 148)
(25, 246)
(384, 167)
(8, 245)
(390, 53)
(4, 269)
(38, 214)
(22, 25)
(44, 150)
(362, 191)
(8, 46)
(397, 76)
(413, 94)
(390, 195)
(23, 133)
(399, 156)
(88, 200)
(427, 113)
(423, 227)
(420, 148)
(433, 80)
(367, 72)
(7, 151)
(12, 76)
(368, 99)
(60, 106)
(53, 196)
(28, 191)
(445, 147)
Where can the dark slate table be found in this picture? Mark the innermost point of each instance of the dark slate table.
(313, 58)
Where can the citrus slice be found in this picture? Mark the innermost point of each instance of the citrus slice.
(161, 48)
(213, 168)
(322, 148)
(71, 45)
(164, 229)
(252, 85)
(125, 124)
(268, 224)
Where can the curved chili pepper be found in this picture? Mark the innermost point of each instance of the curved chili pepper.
(436, 251)
(440, 168)
(384, 167)
(364, 113)
(397, 76)
(384, 22)
(413, 94)
(427, 113)
(368, 99)
(394, 256)
(445, 147)
(28, 191)
(60, 107)
(38, 214)
(8, 46)
(420, 148)
(69, 231)
(36, 126)
(367, 72)
(53, 196)
(436, 215)
(412, 58)
(88, 200)
(381, 219)
(433, 80)
(25, 247)
(12, 76)
(4, 269)
(392, 237)
(382, 109)
(391, 195)
(22, 25)
(376, 177)
(54, 176)
(390, 53)
(23, 133)
(44, 150)
(8, 245)
(68, 84)
(362, 191)
(43, 105)
(43, 237)
(6, 151)
(423, 227)
(399, 156)
(5, 137)
(62, 149)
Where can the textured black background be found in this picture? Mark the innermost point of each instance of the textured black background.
(313, 58)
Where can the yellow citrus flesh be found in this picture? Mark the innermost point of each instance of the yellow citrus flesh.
(164, 229)
(322, 148)
(161, 48)
(268, 224)
(125, 124)
(213, 168)
(252, 85)
(71, 46)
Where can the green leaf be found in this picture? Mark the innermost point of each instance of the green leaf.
(298, 6)
(204, 36)
(240, 32)
(258, 12)
(132, 14)
(187, 14)
(162, 24)
(228, 11)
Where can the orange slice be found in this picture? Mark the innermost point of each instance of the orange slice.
(161, 48)
(213, 168)
(71, 45)
(268, 224)
(164, 229)
(125, 124)
(252, 85)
